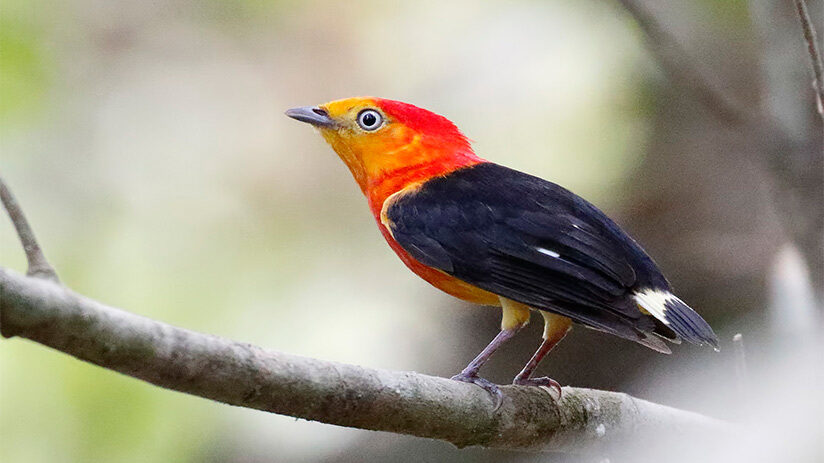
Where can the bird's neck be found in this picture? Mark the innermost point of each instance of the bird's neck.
(390, 181)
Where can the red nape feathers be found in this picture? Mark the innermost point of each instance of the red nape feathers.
(425, 122)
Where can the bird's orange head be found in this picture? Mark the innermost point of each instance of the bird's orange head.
(387, 144)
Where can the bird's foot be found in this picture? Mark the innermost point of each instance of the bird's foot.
(490, 387)
(543, 381)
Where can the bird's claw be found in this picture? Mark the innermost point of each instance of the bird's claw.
(544, 381)
(494, 391)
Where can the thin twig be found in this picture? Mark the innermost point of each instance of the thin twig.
(38, 265)
(811, 38)
(681, 68)
(815, 55)
(740, 365)
(740, 358)
(346, 395)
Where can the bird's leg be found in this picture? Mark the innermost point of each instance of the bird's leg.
(515, 317)
(555, 328)
(470, 373)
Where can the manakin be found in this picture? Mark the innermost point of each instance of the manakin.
(492, 235)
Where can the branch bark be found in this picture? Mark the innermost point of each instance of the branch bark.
(401, 402)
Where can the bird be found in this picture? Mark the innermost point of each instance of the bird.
(492, 235)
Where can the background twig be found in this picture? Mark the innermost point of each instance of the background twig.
(815, 55)
(681, 68)
(782, 143)
(38, 266)
(740, 365)
(811, 38)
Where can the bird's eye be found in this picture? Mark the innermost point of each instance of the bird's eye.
(369, 119)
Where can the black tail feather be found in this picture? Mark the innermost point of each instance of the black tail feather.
(688, 324)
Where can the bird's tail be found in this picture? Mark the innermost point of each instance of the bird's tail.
(676, 315)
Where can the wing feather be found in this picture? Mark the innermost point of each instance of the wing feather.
(531, 241)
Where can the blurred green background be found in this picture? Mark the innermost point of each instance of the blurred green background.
(147, 143)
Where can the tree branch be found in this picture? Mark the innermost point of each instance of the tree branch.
(401, 402)
(38, 265)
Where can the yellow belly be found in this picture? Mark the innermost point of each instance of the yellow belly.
(461, 289)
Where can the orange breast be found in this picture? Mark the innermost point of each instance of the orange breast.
(393, 181)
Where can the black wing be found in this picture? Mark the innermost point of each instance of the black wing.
(532, 241)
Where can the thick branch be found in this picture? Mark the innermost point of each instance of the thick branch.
(346, 395)
(38, 265)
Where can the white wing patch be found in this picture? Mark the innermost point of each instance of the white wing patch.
(654, 302)
(548, 252)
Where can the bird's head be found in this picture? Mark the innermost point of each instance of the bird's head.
(383, 140)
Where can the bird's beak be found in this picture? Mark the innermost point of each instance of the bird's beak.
(313, 115)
